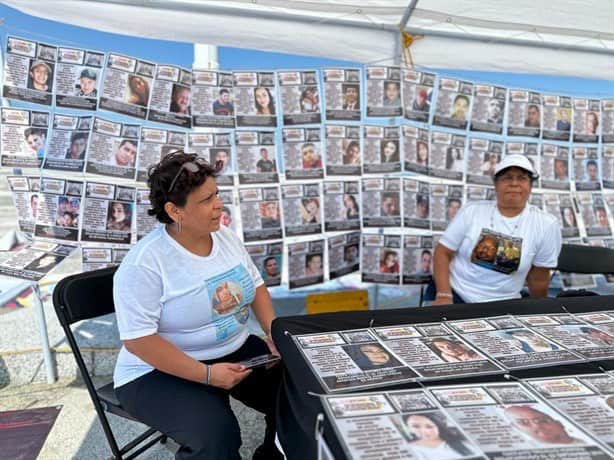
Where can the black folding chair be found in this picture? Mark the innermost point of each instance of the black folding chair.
(578, 258)
(85, 296)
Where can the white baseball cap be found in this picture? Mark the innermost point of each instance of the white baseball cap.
(517, 160)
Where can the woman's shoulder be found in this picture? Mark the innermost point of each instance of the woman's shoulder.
(146, 248)
(541, 217)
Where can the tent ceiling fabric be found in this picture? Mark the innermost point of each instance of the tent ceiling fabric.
(468, 34)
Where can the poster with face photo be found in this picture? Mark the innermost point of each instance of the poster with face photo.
(302, 209)
(113, 149)
(607, 165)
(384, 92)
(300, 97)
(416, 203)
(417, 94)
(268, 259)
(254, 99)
(68, 145)
(260, 213)
(482, 158)
(562, 207)
(381, 149)
(256, 157)
(342, 88)
(593, 210)
(607, 120)
(453, 103)
(96, 258)
(343, 254)
(216, 148)
(78, 79)
(212, 99)
(586, 120)
(343, 157)
(381, 257)
(418, 258)
(381, 202)
(127, 85)
(302, 154)
(24, 137)
(341, 206)
(29, 71)
(488, 108)
(416, 149)
(36, 260)
(229, 212)
(156, 144)
(556, 116)
(554, 167)
(527, 149)
(585, 161)
(171, 96)
(447, 155)
(305, 263)
(480, 193)
(445, 202)
(25, 192)
(524, 113)
(59, 209)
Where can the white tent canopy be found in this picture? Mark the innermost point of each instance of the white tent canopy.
(566, 37)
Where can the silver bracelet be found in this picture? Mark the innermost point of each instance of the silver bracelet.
(444, 294)
(208, 378)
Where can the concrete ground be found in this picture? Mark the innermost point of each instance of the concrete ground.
(77, 433)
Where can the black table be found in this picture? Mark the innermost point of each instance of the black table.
(298, 410)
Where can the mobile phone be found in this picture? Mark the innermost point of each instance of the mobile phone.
(260, 361)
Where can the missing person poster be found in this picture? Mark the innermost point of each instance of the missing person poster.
(418, 258)
(171, 96)
(343, 254)
(216, 148)
(416, 203)
(300, 97)
(112, 149)
(96, 258)
(607, 120)
(524, 113)
(483, 155)
(305, 263)
(447, 155)
(59, 209)
(384, 92)
(212, 99)
(302, 209)
(256, 157)
(29, 71)
(25, 192)
(35, 261)
(127, 85)
(585, 162)
(302, 153)
(342, 88)
(586, 120)
(254, 99)
(488, 108)
(108, 213)
(434, 352)
(587, 400)
(68, 144)
(416, 149)
(144, 222)
(453, 103)
(444, 203)
(268, 259)
(381, 202)
(607, 165)
(24, 138)
(260, 213)
(603, 320)
(554, 167)
(351, 360)
(381, 258)
(512, 344)
(156, 144)
(417, 94)
(78, 78)
(480, 193)
(343, 157)
(229, 212)
(341, 206)
(507, 421)
(594, 215)
(381, 149)
(557, 113)
(562, 207)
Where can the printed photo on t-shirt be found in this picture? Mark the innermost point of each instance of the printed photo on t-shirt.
(497, 251)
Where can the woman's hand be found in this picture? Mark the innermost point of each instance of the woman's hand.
(442, 300)
(227, 375)
(271, 345)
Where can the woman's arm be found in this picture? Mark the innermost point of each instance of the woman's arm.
(441, 272)
(262, 307)
(538, 280)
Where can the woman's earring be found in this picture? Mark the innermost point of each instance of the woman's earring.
(178, 226)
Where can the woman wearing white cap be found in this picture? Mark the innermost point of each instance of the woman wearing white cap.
(491, 248)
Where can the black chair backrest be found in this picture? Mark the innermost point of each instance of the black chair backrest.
(577, 258)
(84, 295)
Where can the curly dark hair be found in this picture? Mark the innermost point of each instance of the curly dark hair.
(161, 175)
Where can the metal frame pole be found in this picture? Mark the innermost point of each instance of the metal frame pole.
(44, 336)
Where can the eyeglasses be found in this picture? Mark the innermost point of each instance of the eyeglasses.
(193, 167)
(509, 178)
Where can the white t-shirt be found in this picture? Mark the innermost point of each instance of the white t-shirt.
(200, 304)
(540, 247)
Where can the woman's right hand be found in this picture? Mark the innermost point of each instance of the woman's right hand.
(227, 375)
(441, 300)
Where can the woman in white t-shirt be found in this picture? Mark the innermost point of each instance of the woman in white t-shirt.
(491, 248)
(183, 295)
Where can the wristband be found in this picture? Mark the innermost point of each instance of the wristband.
(208, 378)
(444, 294)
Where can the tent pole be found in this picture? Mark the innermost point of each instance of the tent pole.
(407, 15)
